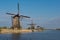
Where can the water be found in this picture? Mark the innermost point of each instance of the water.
(45, 35)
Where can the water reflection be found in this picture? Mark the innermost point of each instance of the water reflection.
(46, 35)
(16, 36)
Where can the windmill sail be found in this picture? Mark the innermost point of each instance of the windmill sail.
(10, 14)
(18, 8)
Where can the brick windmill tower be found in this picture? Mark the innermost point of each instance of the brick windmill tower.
(16, 19)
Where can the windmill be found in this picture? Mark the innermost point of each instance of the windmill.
(32, 25)
(16, 19)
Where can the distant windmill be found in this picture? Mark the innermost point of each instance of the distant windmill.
(16, 19)
(32, 25)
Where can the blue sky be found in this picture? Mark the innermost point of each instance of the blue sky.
(45, 13)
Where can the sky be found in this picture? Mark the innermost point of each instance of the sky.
(45, 13)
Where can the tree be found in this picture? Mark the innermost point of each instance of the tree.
(39, 27)
(32, 27)
(4, 27)
(29, 28)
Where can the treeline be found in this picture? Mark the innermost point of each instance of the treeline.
(36, 28)
(3, 27)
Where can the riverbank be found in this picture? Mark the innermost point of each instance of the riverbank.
(13, 31)
(4, 31)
